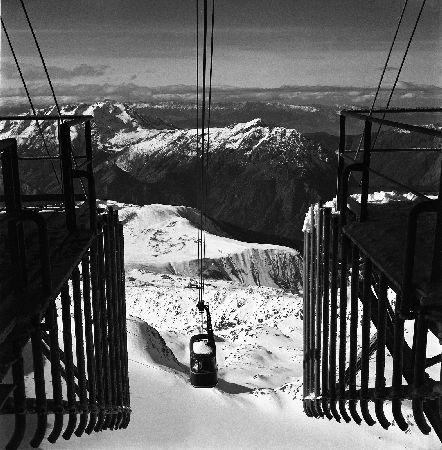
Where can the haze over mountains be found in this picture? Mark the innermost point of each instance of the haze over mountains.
(407, 94)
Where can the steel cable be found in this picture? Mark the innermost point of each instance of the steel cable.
(384, 69)
(48, 77)
(28, 95)
(400, 70)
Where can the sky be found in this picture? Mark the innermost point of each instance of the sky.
(127, 48)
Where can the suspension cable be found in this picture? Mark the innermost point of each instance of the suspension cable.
(203, 151)
(384, 69)
(204, 147)
(399, 71)
(199, 239)
(209, 117)
(48, 77)
(28, 95)
(41, 56)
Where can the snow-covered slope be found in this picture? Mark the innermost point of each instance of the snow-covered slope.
(258, 332)
(163, 239)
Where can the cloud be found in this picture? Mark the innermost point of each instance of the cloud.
(407, 94)
(33, 72)
(91, 92)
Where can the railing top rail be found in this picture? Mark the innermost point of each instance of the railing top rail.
(391, 123)
(69, 117)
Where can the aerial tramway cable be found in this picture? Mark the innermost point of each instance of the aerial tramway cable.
(28, 95)
(399, 70)
(48, 77)
(206, 187)
(381, 79)
(203, 367)
(41, 56)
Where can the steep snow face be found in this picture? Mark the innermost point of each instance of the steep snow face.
(148, 346)
(253, 139)
(164, 239)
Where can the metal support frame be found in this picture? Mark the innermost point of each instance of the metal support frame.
(344, 268)
(97, 384)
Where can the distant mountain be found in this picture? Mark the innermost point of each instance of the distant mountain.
(261, 178)
(306, 119)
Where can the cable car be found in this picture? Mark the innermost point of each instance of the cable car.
(203, 366)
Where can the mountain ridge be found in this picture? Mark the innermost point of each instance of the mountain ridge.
(261, 177)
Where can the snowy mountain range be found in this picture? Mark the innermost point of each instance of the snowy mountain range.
(261, 177)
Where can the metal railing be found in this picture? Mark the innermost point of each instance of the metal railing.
(80, 272)
(347, 166)
(68, 163)
(340, 280)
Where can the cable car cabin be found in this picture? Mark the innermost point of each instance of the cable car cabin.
(63, 255)
(203, 367)
(379, 265)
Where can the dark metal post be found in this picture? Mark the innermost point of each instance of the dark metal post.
(121, 318)
(91, 180)
(88, 325)
(68, 181)
(312, 297)
(79, 344)
(334, 316)
(398, 355)
(318, 308)
(57, 392)
(354, 333)
(18, 378)
(69, 361)
(342, 139)
(365, 172)
(98, 344)
(107, 377)
(12, 189)
(343, 326)
(110, 323)
(325, 311)
(305, 322)
(113, 221)
(365, 358)
(436, 263)
(39, 381)
(124, 322)
(421, 331)
(380, 353)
